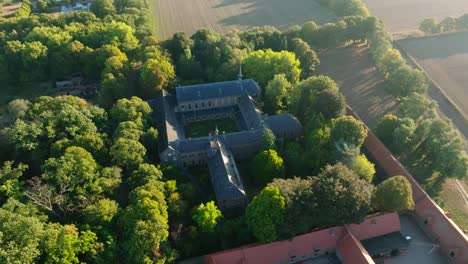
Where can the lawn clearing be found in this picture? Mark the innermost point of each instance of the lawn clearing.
(445, 59)
(403, 15)
(226, 15)
(207, 127)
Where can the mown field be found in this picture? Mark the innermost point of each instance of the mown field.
(445, 59)
(361, 83)
(364, 89)
(226, 15)
(403, 15)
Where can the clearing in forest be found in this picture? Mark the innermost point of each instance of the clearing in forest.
(445, 59)
(226, 15)
(404, 15)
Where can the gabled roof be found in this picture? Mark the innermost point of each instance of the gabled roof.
(283, 122)
(224, 175)
(216, 90)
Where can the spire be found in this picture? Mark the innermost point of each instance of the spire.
(239, 76)
(216, 130)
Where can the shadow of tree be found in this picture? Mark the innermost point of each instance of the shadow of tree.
(279, 13)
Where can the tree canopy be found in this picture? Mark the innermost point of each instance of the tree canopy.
(394, 194)
(265, 213)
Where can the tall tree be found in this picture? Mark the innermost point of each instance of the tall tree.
(207, 216)
(394, 194)
(265, 213)
(266, 166)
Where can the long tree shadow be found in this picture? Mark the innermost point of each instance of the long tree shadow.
(279, 13)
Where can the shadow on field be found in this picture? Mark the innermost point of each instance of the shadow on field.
(363, 86)
(440, 46)
(280, 13)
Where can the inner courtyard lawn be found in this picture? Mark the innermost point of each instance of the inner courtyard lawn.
(207, 127)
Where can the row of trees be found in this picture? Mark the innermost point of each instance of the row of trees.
(448, 24)
(419, 131)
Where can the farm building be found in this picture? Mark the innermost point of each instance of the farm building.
(215, 124)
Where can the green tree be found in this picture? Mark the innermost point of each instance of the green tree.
(407, 80)
(65, 244)
(127, 153)
(349, 130)
(21, 233)
(363, 168)
(303, 97)
(330, 103)
(308, 58)
(101, 213)
(145, 225)
(386, 127)
(267, 165)
(418, 106)
(342, 197)
(264, 65)
(207, 216)
(429, 26)
(10, 185)
(394, 194)
(448, 24)
(265, 213)
(41, 6)
(18, 108)
(133, 109)
(102, 8)
(155, 75)
(145, 173)
(300, 206)
(275, 94)
(268, 140)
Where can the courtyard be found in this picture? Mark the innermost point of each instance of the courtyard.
(207, 127)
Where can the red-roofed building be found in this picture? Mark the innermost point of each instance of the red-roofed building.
(445, 232)
(351, 251)
(340, 240)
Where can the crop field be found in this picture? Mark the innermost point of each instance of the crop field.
(226, 15)
(404, 15)
(360, 82)
(445, 59)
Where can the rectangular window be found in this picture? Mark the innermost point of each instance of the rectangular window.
(209, 103)
(189, 106)
(203, 104)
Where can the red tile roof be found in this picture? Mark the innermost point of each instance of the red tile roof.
(351, 251)
(305, 245)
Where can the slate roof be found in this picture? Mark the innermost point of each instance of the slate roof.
(217, 90)
(224, 175)
(283, 122)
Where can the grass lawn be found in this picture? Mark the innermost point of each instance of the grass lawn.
(204, 128)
